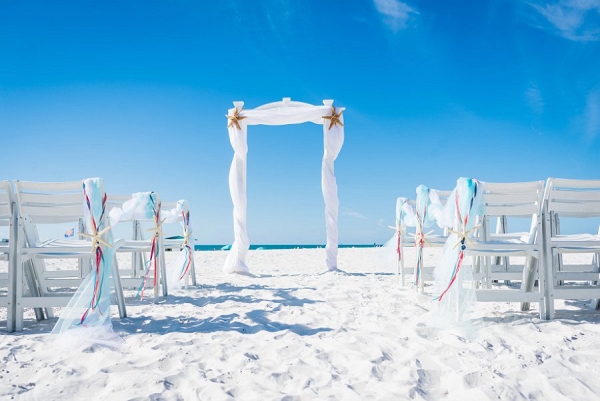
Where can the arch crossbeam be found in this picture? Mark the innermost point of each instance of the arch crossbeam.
(282, 113)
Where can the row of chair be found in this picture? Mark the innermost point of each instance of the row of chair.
(519, 238)
(29, 208)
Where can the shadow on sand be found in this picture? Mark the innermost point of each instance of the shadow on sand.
(229, 322)
(282, 297)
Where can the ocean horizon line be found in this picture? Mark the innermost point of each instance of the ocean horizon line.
(226, 247)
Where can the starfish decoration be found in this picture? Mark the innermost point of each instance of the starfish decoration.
(157, 229)
(421, 238)
(235, 119)
(398, 229)
(463, 235)
(187, 234)
(96, 240)
(334, 118)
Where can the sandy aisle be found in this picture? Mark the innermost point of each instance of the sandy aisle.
(293, 333)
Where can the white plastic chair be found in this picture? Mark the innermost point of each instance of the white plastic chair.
(178, 243)
(401, 238)
(141, 274)
(427, 199)
(579, 200)
(495, 251)
(7, 283)
(53, 204)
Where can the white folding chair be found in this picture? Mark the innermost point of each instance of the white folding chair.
(54, 204)
(568, 199)
(402, 238)
(179, 242)
(140, 273)
(7, 250)
(426, 199)
(503, 255)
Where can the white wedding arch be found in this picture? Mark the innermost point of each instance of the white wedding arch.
(282, 113)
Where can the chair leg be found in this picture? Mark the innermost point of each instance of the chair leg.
(163, 272)
(529, 269)
(18, 310)
(550, 284)
(398, 272)
(595, 304)
(193, 269)
(542, 308)
(11, 307)
(35, 286)
(546, 266)
(120, 298)
(12, 296)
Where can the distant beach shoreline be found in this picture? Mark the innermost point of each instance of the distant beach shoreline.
(224, 247)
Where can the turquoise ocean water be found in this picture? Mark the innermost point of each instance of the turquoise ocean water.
(266, 247)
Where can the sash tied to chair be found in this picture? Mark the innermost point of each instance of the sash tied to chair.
(465, 195)
(86, 318)
(180, 266)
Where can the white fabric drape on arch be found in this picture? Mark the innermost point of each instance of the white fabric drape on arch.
(333, 141)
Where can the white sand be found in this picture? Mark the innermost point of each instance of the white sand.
(293, 333)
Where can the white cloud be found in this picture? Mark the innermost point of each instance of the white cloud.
(534, 99)
(349, 212)
(577, 20)
(591, 115)
(395, 13)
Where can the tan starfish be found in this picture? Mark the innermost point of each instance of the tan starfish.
(96, 238)
(157, 228)
(235, 119)
(334, 118)
(463, 235)
(187, 234)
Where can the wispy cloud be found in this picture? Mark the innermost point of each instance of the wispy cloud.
(577, 20)
(349, 212)
(591, 115)
(534, 99)
(395, 13)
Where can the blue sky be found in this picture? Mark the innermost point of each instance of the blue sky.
(136, 92)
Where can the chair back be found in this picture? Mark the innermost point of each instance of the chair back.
(511, 200)
(50, 202)
(6, 199)
(6, 208)
(573, 198)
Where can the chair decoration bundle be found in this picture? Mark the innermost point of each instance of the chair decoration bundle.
(183, 264)
(427, 206)
(404, 218)
(459, 216)
(142, 206)
(87, 315)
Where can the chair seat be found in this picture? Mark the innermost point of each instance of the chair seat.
(134, 245)
(508, 245)
(522, 237)
(172, 243)
(435, 240)
(61, 248)
(575, 243)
